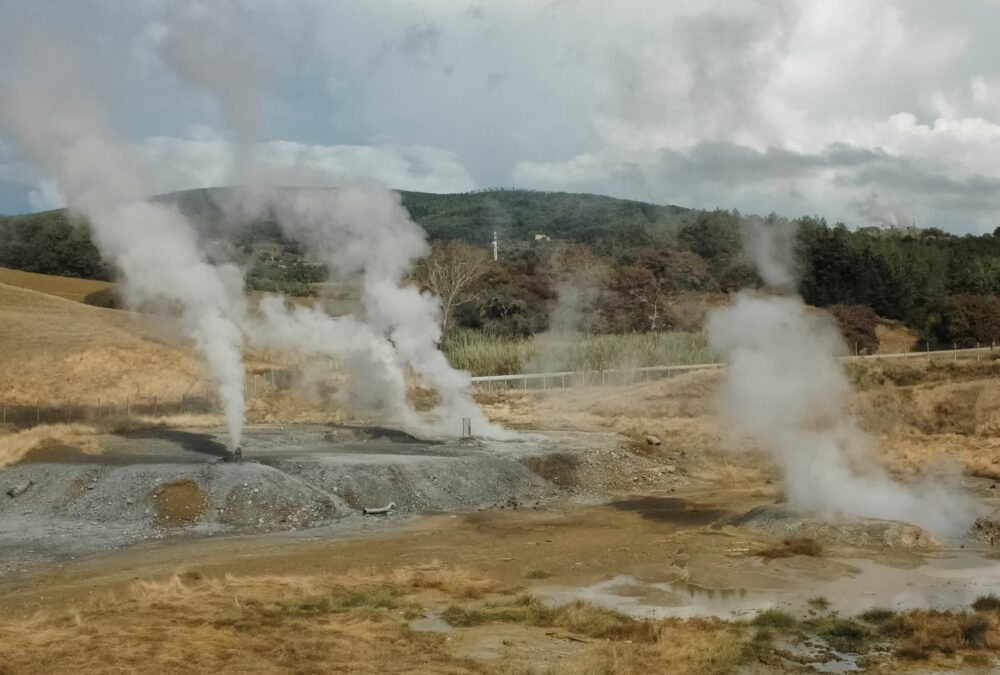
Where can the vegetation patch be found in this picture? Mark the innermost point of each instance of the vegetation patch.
(774, 618)
(819, 602)
(987, 603)
(793, 546)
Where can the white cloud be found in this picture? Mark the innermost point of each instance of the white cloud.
(753, 109)
(797, 106)
(204, 159)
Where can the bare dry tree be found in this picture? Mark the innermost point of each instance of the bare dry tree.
(450, 272)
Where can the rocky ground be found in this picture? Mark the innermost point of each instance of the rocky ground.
(155, 483)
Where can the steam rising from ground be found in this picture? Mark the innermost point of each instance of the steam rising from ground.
(357, 232)
(786, 392)
(364, 232)
(53, 118)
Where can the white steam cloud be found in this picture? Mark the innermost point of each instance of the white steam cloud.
(357, 232)
(785, 391)
(52, 117)
(363, 232)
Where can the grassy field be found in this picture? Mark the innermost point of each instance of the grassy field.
(487, 355)
(69, 288)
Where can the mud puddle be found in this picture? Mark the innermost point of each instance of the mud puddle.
(949, 581)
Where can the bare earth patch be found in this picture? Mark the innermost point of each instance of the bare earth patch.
(179, 503)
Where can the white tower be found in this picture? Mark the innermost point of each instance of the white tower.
(494, 244)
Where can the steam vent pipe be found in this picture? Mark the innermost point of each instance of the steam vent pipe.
(466, 427)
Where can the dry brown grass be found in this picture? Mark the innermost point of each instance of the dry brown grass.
(81, 363)
(257, 624)
(894, 337)
(15, 447)
(456, 583)
(934, 632)
(351, 623)
(693, 647)
(68, 288)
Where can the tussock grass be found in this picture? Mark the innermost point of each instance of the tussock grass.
(459, 583)
(774, 618)
(578, 617)
(819, 602)
(877, 615)
(987, 603)
(483, 354)
(933, 632)
(846, 635)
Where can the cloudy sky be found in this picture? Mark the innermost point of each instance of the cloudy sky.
(858, 110)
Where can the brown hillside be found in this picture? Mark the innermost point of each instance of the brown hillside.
(55, 351)
(69, 288)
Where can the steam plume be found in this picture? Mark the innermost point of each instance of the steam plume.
(786, 392)
(52, 118)
(357, 232)
(364, 232)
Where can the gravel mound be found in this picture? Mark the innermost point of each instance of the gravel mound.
(777, 520)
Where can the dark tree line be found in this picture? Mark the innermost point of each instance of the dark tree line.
(633, 260)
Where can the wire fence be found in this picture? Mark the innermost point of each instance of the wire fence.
(625, 376)
(203, 399)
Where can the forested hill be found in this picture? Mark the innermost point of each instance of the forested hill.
(945, 286)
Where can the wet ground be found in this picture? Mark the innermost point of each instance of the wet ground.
(532, 513)
(949, 581)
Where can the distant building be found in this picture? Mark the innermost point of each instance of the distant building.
(542, 237)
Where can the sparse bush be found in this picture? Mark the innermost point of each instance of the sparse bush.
(857, 324)
(904, 375)
(819, 602)
(761, 643)
(974, 628)
(987, 603)
(845, 634)
(931, 632)
(462, 617)
(108, 298)
(774, 618)
(536, 574)
(589, 619)
(877, 615)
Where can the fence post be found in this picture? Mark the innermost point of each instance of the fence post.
(38, 414)
(954, 347)
(977, 351)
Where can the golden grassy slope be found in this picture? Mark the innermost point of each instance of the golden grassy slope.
(55, 351)
(69, 288)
